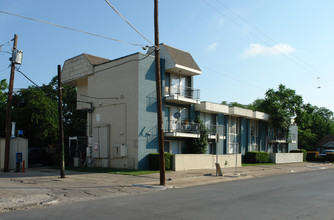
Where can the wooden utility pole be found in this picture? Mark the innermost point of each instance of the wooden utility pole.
(61, 131)
(159, 101)
(9, 109)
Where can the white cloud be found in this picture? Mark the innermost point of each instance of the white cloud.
(211, 47)
(260, 50)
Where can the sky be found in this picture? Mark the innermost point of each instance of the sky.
(243, 47)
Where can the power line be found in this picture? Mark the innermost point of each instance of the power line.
(147, 55)
(73, 29)
(46, 94)
(5, 51)
(26, 77)
(93, 97)
(270, 38)
(292, 58)
(128, 22)
(236, 79)
(1, 45)
(5, 68)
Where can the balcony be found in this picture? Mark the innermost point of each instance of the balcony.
(216, 129)
(279, 137)
(184, 129)
(175, 128)
(181, 94)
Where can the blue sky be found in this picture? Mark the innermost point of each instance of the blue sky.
(243, 47)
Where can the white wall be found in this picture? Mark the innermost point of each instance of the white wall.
(204, 161)
(286, 157)
(113, 90)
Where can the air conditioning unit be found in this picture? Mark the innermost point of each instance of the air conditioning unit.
(120, 151)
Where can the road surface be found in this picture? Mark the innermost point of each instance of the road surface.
(308, 195)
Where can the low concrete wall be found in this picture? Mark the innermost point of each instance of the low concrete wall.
(203, 161)
(286, 157)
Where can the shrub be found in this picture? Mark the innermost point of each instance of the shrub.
(313, 156)
(154, 161)
(330, 157)
(300, 151)
(256, 157)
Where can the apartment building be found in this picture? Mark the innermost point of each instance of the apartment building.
(120, 99)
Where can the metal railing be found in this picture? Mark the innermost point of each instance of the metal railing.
(191, 127)
(277, 136)
(183, 91)
(216, 129)
(181, 126)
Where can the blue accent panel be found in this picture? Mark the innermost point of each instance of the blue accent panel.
(226, 132)
(262, 135)
(192, 113)
(175, 147)
(220, 119)
(243, 135)
(147, 110)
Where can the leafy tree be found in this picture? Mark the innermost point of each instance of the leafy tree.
(3, 88)
(3, 101)
(235, 104)
(199, 145)
(35, 111)
(74, 120)
(306, 139)
(37, 115)
(313, 124)
(282, 105)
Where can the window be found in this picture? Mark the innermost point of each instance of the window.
(253, 124)
(166, 147)
(209, 120)
(178, 85)
(233, 137)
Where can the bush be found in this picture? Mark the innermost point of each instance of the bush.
(300, 151)
(154, 161)
(330, 157)
(314, 156)
(256, 157)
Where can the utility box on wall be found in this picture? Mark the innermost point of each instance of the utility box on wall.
(120, 150)
(17, 145)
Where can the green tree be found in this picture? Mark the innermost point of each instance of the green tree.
(199, 145)
(282, 105)
(36, 113)
(235, 104)
(74, 120)
(313, 124)
(3, 101)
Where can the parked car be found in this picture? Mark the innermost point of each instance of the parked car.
(324, 153)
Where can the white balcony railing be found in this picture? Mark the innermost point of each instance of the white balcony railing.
(183, 91)
(180, 126)
(191, 127)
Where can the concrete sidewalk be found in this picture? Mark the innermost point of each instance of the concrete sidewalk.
(42, 187)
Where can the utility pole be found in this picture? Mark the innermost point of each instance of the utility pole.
(61, 131)
(159, 102)
(9, 108)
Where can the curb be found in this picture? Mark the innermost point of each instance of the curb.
(153, 187)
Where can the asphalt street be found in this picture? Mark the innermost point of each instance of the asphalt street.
(306, 195)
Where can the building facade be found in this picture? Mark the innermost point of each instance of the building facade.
(120, 99)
